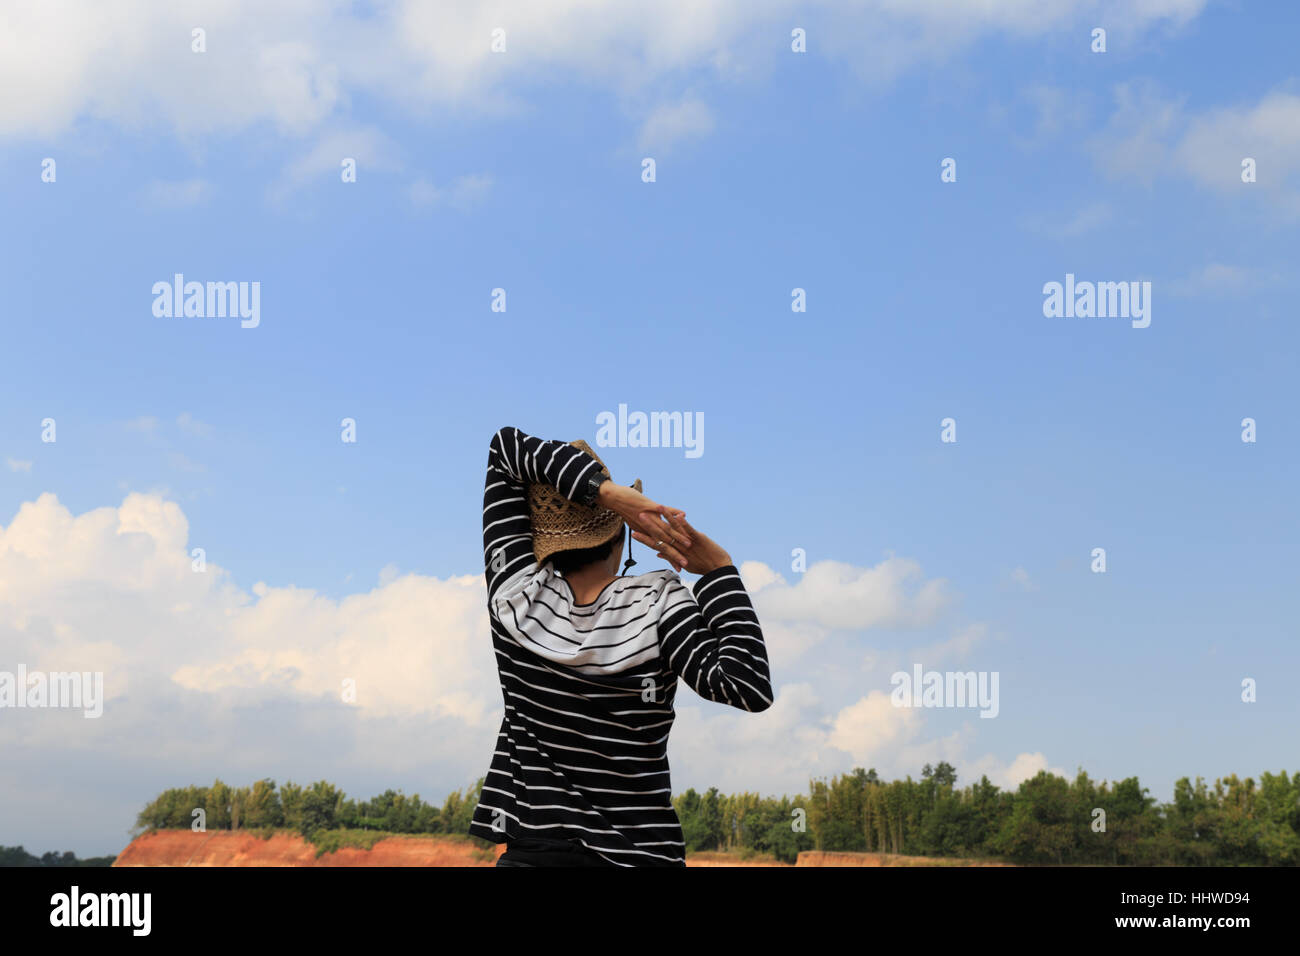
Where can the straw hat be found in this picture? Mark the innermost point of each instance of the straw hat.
(563, 525)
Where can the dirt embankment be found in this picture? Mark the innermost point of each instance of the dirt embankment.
(822, 858)
(726, 859)
(226, 848)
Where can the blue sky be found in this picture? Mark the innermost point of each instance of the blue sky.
(775, 170)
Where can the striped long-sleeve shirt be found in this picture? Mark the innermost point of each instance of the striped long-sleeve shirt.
(582, 752)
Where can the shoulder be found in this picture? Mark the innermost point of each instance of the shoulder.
(650, 578)
(660, 587)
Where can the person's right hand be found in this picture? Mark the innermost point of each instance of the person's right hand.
(640, 513)
(700, 557)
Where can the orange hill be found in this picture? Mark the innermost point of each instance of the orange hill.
(227, 848)
(239, 848)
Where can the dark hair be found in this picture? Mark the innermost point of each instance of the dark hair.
(568, 561)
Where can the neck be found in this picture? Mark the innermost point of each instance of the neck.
(588, 582)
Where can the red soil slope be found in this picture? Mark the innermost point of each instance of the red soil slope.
(726, 859)
(820, 858)
(224, 848)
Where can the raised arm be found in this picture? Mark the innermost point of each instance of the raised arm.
(514, 460)
(713, 641)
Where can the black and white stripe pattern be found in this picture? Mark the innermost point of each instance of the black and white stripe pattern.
(582, 753)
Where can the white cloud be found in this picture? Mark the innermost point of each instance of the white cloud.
(1149, 135)
(295, 65)
(468, 190)
(368, 148)
(955, 648)
(145, 423)
(1010, 776)
(117, 584)
(672, 123)
(1086, 219)
(1218, 278)
(782, 749)
(203, 678)
(834, 595)
(1214, 143)
(246, 682)
(464, 192)
(16, 464)
(424, 193)
(1134, 143)
(871, 728)
(1021, 579)
(901, 33)
(188, 423)
(774, 751)
(1057, 110)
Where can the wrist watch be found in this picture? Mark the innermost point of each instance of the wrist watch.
(591, 489)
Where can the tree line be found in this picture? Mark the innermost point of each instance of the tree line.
(1047, 819)
(17, 856)
(309, 810)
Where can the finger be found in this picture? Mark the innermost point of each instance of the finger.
(655, 524)
(677, 519)
(662, 548)
(650, 523)
(676, 567)
(687, 526)
(649, 540)
(674, 523)
(676, 557)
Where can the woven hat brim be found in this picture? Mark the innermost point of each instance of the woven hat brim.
(563, 525)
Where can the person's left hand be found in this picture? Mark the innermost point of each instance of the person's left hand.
(641, 513)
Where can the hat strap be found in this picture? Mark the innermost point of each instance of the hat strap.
(630, 560)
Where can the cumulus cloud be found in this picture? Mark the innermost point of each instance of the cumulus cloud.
(121, 581)
(871, 727)
(203, 677)
(294, 65)
(672, 123)
(834, 595)
(797, 740)
(1213, 145)
(1009, 776)
(367, 147)
(1150, 134)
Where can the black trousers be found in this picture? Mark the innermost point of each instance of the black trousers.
(539, 851)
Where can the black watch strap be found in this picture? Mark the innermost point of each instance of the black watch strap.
(593, 488)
